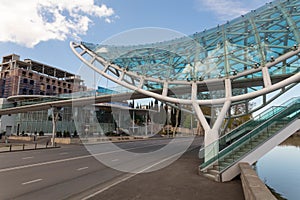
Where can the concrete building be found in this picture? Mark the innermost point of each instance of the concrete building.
(29, 79)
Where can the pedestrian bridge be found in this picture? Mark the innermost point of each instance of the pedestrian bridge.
(222, 67)
(232, 64)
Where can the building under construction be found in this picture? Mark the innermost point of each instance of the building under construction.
(29, 79)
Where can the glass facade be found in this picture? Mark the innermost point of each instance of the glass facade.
(242, 44)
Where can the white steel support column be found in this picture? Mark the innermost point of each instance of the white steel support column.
(197, 108)
(165, 89)
(266, 77)
(212, 135)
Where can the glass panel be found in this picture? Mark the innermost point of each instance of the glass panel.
(248, 136)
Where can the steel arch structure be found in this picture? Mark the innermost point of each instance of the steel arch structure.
(248, 57)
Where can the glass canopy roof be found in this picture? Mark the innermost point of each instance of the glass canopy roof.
(248, 42)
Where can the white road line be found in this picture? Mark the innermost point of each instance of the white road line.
(114, 160)
(73, 158)
(82, 168)
(25, 158)
(63, 153)
(33, 181)
(128, 177)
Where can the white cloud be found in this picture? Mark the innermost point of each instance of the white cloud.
(29, 22)
(228, 9)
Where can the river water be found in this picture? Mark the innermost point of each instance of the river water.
(280, 168)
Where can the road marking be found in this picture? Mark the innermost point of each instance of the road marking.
(63, 153)
(128, 177)
(74, 158)
(27, 158)
(82, 168)
(114, 160)
(33, 181)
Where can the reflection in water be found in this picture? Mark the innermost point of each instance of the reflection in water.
(279, 169)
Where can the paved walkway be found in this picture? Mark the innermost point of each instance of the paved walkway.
(18, 145)
(178, 181)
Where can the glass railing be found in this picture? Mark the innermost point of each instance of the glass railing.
(60, 97)
(288, 110)
(243, 129)
(256, 137)
(31, 102)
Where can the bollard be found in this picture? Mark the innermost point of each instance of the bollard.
(35, 145)
(10, 147)
(23, 147)
(46, 144)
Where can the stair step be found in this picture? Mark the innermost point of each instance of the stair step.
(211, 177)
(244, 150)
(215, 167)
(224, 163)
(223, 166)
(213, 172)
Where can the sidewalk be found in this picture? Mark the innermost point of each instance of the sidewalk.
(17, 145)
(178, 181)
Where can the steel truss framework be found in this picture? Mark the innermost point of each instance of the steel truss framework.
(248, 57)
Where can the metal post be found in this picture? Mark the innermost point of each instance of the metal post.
(146, 124)
(192, 130)
(53, 126)
(119, 124)
(133, 119)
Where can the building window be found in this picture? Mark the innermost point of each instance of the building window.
(42, 87)
(24, 91)
(30, 75)
(42, 93)
(23, 73)
(48, 87)
(31, 82)
(25, 80)
(31, 92)
(6, 74)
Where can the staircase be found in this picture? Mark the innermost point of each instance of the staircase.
(246, 127)
(246, 144)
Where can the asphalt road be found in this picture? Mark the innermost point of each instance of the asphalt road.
(72, 171)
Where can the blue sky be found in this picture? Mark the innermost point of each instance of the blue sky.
(42, 30)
